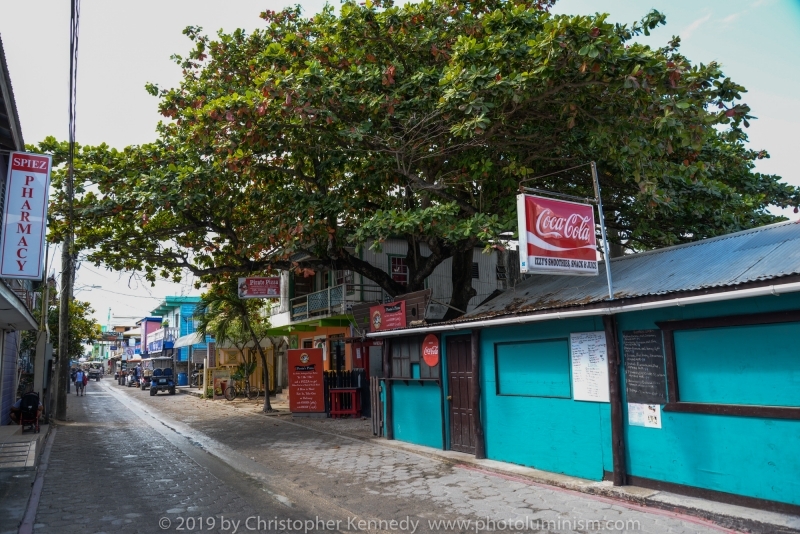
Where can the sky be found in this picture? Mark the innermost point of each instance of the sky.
(124, 44)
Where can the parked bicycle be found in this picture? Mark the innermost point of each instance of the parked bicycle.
(249, 392)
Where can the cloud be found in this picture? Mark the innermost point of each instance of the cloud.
(691, 28)
(731, 18)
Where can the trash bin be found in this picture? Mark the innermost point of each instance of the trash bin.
(183, 379)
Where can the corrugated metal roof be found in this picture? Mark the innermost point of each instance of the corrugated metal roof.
(758, 254)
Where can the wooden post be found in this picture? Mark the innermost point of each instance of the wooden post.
(480, 445)
(615, 392)
(387, 374)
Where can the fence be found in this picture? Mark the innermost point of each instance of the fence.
(346, 380)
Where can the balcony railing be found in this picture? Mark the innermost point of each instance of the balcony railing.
(336, 300)
(161, 339)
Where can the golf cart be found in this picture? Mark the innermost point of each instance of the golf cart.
(95, 370)
(162, 377)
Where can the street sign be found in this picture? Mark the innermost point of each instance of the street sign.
(556, 236)
(25, 216)
(259, 287)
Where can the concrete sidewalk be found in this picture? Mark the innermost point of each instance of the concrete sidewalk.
(19, 457)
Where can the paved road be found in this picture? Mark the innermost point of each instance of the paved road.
(130, 459)
(114, 470)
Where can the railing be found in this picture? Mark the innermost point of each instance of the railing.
(164, 334)
(161, 339)
(335, 300)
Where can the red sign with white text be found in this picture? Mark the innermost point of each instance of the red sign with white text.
(387, 316)
(556, 237)
(430, 350)
(25, 216)
(306, 388)
(258, 287)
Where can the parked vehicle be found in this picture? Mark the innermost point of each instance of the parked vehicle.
(163, 378)
(197, 378)
(150, 365)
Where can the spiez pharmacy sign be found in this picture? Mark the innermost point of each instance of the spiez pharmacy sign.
(25, 216)
(556, 236)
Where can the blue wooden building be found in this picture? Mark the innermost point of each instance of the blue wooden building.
(692, 383)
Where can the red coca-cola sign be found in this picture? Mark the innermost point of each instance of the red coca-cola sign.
(430, 350)
(556, 236)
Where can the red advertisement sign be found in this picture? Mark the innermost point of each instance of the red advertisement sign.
(306, 390)
(556, 236)
(25, 216)
(387, 316)
(430, 350)
(259, 287)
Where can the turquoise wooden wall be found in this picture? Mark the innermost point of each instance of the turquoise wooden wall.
(417, 414)
(546, 432)
(748, 456)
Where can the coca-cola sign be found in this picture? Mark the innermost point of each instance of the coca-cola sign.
(430, 350)
(556, 236)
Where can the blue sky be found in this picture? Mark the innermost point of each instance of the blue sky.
(124, 45)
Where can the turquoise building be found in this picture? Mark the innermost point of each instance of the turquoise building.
(687, 381)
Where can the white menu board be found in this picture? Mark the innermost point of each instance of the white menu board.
(589, 366)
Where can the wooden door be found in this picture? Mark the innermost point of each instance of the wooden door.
(460, 391)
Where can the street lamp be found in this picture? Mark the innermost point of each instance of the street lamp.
(87, 287)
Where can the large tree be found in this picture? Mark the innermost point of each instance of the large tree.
(419, 122)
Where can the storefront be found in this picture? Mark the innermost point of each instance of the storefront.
(685, 382)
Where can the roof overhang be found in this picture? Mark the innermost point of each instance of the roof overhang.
(190, 339)
(14, 315)
(607, 309)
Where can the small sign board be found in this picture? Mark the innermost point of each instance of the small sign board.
(306, 387)
(646, 415)
(387, 316)
(25, 216)
(556, 236)
(589, 366)
(260, 287)
(645, 371)
(430, 350)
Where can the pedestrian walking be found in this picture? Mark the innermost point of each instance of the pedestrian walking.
(80, 382)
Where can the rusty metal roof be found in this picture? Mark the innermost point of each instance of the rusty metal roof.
(761, 253)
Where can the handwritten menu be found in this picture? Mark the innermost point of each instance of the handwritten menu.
(589, 366)
(306, 389)
(645, 375)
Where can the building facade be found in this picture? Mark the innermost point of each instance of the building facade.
(685, 382)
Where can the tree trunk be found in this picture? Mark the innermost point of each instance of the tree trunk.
(267, 405)
(257, 342)
(461, 274)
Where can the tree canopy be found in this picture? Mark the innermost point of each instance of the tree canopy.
(322, 135)
(83, 330)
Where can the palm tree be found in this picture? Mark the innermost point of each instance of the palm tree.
(230, 319)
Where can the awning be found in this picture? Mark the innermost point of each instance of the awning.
(191, 339)
(132, 332)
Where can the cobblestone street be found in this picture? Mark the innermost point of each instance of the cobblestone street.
(129, 460)
(109, 471)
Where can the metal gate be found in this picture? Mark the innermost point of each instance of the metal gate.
(376, 405)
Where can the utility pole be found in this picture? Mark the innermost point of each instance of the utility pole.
(67, 252)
